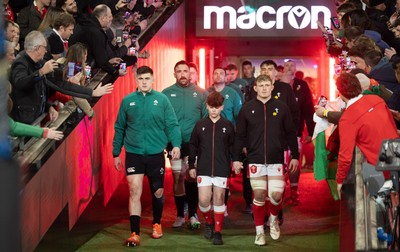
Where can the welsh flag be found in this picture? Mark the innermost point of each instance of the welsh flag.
(323, 169)
(320, 152)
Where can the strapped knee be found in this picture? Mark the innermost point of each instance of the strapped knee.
(258, 184)
(275, 185)
(204, 209)
(258, 203)
(176, 165)
(219, 209)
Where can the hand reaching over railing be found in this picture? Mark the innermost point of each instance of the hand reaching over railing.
(101, 90)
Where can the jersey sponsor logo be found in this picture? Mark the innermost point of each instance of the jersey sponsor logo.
(155, 103)
(132, 104)
(173, 95)
(130, 169)
(199, 180)
(253, 169)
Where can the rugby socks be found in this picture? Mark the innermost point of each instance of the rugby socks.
(219, 212)
(207, 214)
(179, 203)
(274, 209)
(267, 211)
(258, 212)
(158, 204)
(226, 196)
(192, 197)
(135, 224)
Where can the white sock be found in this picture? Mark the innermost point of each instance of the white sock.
(260, 229)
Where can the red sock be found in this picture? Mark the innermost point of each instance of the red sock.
(267, 210)
(275, 209)
(218, 219)
(259, 214)
(208, 217)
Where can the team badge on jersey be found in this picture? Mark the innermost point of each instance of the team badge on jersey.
(132, 104)
(155, 103)
(226, 96)
(224, 130)
(253, 169)
(161, 171)
(195, 94)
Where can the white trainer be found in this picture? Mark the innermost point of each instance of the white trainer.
(194, 223)
(274, 229)
(260, 239)
(179, 222)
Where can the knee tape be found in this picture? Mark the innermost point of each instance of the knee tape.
(258, 184)
(258, 203)
(204, 209)
(176, 165)
(219, 209)
(275, 185)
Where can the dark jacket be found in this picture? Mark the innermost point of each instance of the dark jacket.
(384, 74)
(282, 91)
(29, 19)
(305, 105)
(145, 12)
(30, 91)
(94, 37)
(265, 129)
(118, 51)
(211, 143)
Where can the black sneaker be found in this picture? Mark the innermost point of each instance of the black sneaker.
(209, 231)
(218, 239)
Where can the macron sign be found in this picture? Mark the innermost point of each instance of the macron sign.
(265, 21)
